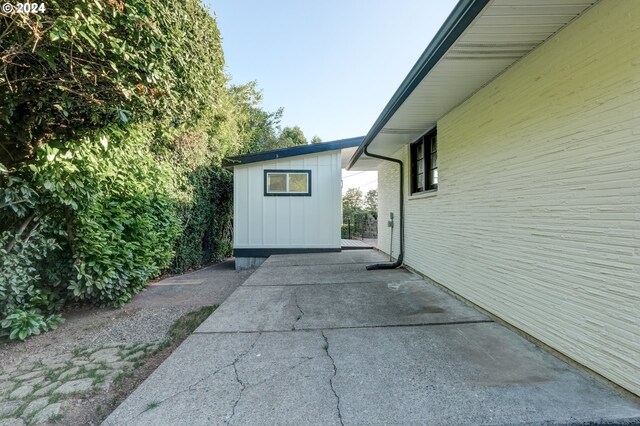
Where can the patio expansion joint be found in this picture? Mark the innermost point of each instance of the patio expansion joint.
(354, 327)
(319, 284)
(286, 265)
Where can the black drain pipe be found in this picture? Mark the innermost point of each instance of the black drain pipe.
(398, 261)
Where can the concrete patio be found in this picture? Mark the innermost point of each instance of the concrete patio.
(317, 339)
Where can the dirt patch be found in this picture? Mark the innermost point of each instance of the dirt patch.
(90, 364)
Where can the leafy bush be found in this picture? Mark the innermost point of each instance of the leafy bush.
(27, 306)
(115, 118)
(85, 64)
(207, 231)
(95, 220)
(116, 200)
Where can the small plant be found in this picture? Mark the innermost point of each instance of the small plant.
(81, 351)
(55, 417)
(21, 324)
(189, 322)
(51, 375)
(53, 398)
(152, 405)
(120, 377)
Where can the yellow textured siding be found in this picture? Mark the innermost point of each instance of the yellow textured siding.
(388, 179)
(537, 216)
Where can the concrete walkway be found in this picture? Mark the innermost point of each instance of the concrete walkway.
(317, 339)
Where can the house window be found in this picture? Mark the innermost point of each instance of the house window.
(287, 183)
(424, 163)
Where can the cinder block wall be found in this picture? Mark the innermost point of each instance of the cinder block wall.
(537, 215)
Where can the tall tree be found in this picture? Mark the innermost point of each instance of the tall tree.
(316, 139)
(351, 202)
(291, 136)
(259, 128)
(371, 201)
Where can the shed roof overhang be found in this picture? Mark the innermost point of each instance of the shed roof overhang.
(347, 146)
(478, 41)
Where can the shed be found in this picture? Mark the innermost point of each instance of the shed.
(288, 200)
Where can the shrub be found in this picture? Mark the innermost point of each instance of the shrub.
(95, 220)
(116, 201)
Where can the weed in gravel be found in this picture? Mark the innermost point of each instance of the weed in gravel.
(55, 397)
(51, 374)
(162, 346)
(56, 418)
(120, 377)
(81, 351)
(189, 322)
(97, 377)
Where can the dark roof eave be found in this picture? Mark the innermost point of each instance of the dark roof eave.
(456, 23)
(291, 152)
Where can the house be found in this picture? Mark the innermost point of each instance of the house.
(515, 142)
(288, 200)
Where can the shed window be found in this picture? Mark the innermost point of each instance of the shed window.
(424, 163)
(287, 182)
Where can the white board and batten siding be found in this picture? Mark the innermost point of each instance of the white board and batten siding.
(537, 214)
(303, 222)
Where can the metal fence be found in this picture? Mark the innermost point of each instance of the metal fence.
(361, 225)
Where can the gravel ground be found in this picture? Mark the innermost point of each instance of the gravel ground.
(142, 323)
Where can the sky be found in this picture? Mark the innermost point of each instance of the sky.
(332, 65)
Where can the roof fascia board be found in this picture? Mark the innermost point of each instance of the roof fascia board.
(291, 152)
(456, 23)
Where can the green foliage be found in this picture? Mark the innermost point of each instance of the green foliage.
(114, 118)
(351, 202)
(370, 202)
(291, 136)
(344, 231)
(107, 202)
(316, 139)
(260, 128)
(119, 214)
(356, 210)
(28, 323)
(26, 305)
(85, 64)
(207, 219)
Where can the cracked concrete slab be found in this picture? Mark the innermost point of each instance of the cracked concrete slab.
(346, 273)
(255, 378)
(361, 354)
(303, 307)
(468, 374)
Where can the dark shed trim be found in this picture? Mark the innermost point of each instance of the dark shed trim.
(266, 252)
(292, 152)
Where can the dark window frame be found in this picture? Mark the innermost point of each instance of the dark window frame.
(286, 172)
(424, 152)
